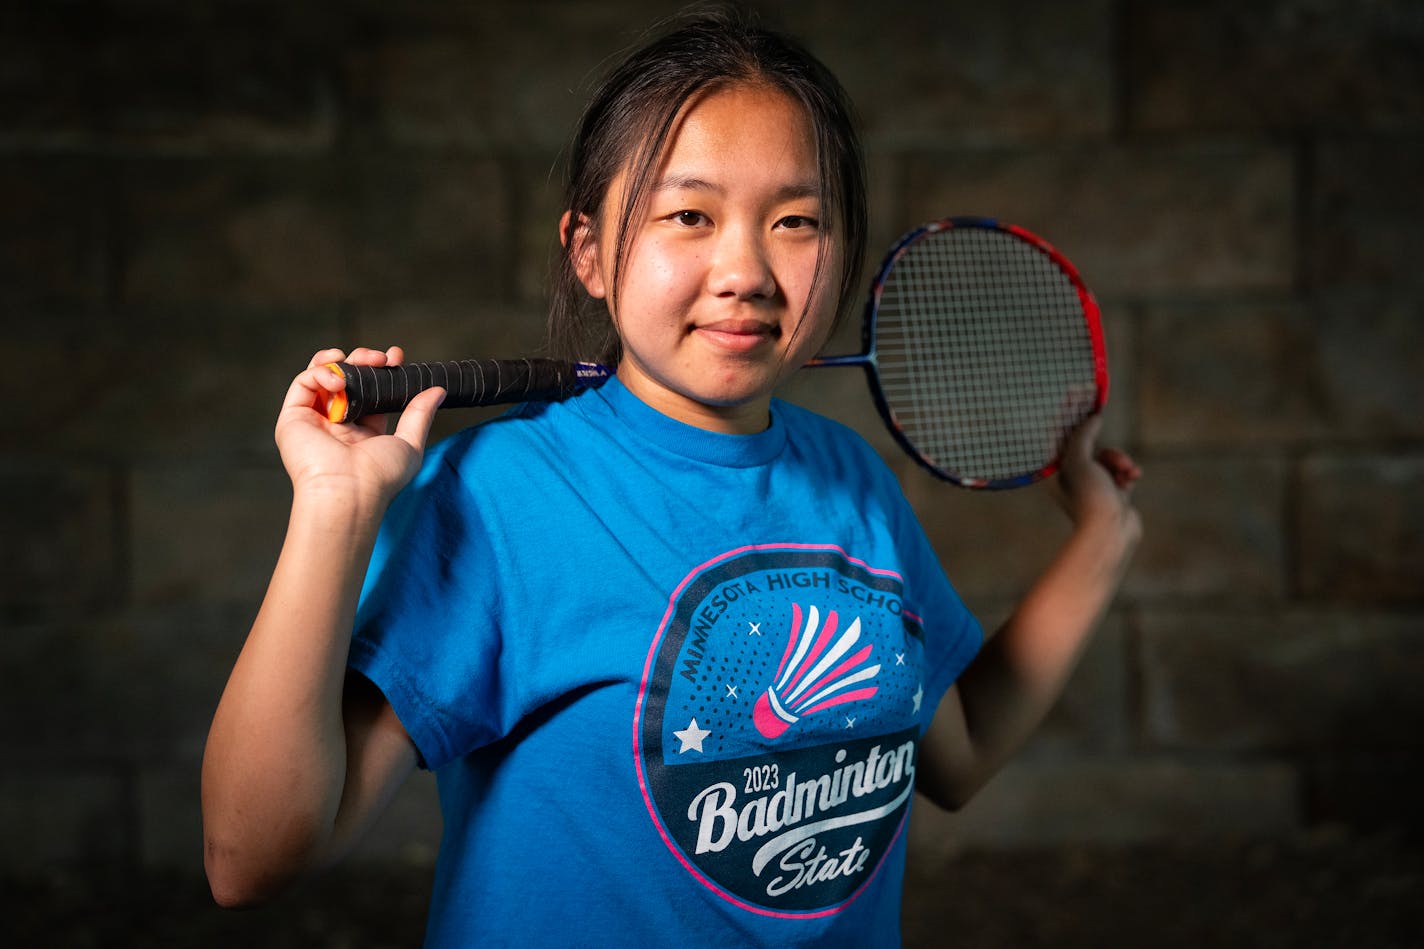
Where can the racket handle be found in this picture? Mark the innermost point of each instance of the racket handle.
(372, 390)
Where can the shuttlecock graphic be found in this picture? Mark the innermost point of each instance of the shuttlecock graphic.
(815, 672)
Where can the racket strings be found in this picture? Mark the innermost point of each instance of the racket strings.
(984, 356)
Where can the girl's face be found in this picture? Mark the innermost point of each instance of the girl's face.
(712, 308)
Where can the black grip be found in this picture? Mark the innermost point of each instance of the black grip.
(372, 390)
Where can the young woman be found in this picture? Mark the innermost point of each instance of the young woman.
(678, 652)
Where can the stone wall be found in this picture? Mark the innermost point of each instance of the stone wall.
(194, 196)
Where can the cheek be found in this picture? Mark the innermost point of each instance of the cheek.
(665, 274)
(820, 314)
(799, 282)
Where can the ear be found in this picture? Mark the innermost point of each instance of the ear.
(578, 238)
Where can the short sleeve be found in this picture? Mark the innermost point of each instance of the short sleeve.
(426, 630)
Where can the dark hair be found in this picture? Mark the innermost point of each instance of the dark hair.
(627, 123)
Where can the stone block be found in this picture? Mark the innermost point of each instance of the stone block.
(167, 77)
(1374, 790)
(1281, 65)
(1113, 802)
(1361, 527)
(65, 707)
(132, 687)
(970, 73)
(1232, 375)
(1365, 204)
(170, 817)
(182, 381)
(205, 533)
(71, 816)
(302, 232)
(1329, 683)
(242, 231)
(1343, 366)
(1369, 363)
(54, 233)
(431, 228)
(1213, 530)
(62, 553)
(458, 76)
(1148, 219)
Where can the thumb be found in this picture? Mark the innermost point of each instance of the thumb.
(413, 427)
(1079, 446)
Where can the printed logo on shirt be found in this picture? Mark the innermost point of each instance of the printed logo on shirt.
(777, 726)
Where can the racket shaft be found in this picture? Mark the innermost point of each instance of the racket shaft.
(373, 390)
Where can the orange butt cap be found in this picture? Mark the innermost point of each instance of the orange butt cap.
(337, 405)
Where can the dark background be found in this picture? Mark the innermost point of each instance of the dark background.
(195, 196)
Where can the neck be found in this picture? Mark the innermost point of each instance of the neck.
(743, 418)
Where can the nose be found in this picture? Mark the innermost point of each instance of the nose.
(741, 268)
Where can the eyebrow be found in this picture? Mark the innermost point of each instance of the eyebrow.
(787, 192)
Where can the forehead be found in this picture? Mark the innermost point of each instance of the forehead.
(743, 129)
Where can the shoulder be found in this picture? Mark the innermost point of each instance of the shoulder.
(497, 458)
(521, 434)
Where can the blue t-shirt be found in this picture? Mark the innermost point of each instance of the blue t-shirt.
(671, 681)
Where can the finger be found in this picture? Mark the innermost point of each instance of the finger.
(1120, 465)
(1079, 447)
(413, 427)
(365, 356)
(325, 356)
(311, 385)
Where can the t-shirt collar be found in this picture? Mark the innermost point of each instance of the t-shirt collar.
(689, 441)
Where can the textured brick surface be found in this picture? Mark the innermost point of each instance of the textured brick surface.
(170, 382)
(61, 550)
(1362, 528)
(1213, 530)
(1124, 802)
(84, 820)
(1282, 681)
(166, 77)
(206, 534)
(53, 233)
(1275, 65)
(1346, 368)
(1135, 219)
(1365, 208)
(971, 73)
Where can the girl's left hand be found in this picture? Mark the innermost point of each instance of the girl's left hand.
(1096, 483)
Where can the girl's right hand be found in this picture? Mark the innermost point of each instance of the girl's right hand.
(357, 460)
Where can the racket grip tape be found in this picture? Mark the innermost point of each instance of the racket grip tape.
(373, 390)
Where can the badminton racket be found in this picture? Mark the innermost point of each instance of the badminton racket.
(982, 346)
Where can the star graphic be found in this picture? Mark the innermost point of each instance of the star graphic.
(918, 697)
(899, 658)
(850, 722)
(731, 690)
(691, 737)
(754, 630)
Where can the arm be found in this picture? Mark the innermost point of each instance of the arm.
(302, 755)
(1005, 693)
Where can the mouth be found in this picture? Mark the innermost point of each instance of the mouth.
(739, 335)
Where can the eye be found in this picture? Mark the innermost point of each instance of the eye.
(689, 218)
(796, 222)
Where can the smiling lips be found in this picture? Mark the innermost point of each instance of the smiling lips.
(738, 335)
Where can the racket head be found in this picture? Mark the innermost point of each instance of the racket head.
(986, 350)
